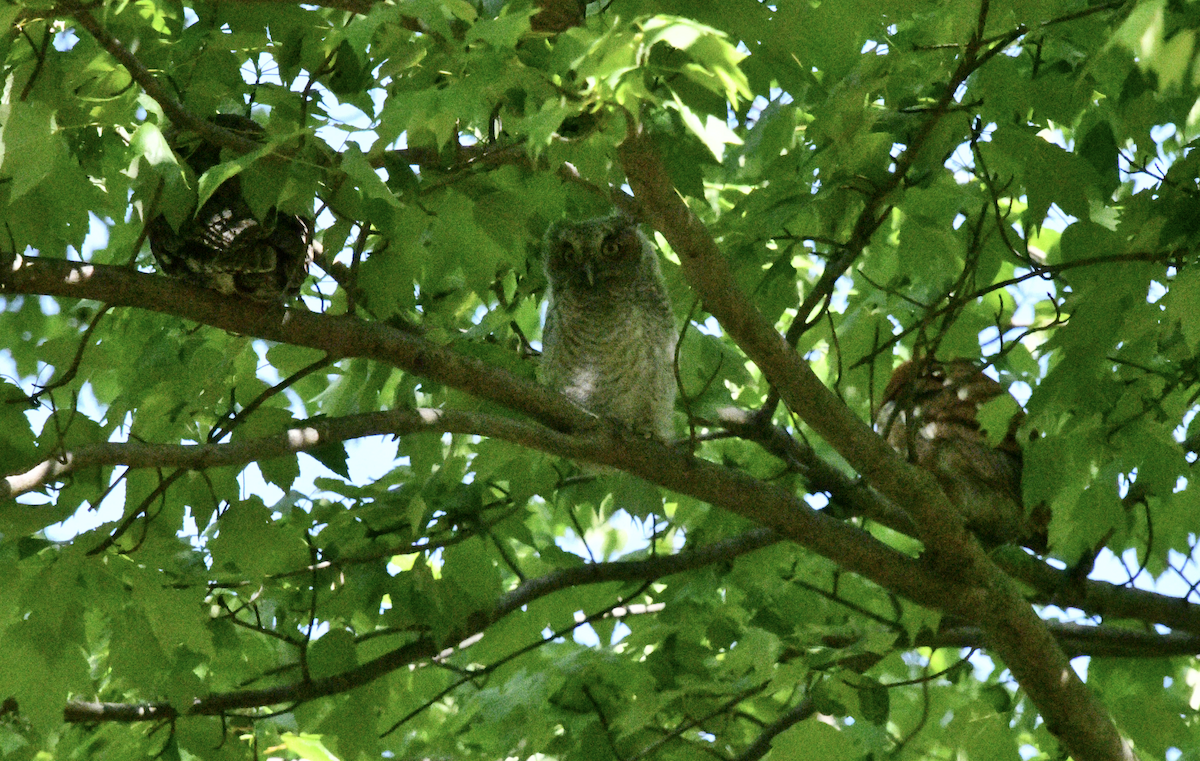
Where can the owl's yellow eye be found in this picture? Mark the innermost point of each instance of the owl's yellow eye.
(610, 248)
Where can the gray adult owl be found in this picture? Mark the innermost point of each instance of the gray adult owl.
(609, 339)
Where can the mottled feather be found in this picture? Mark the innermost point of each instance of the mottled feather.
(929, 415)
(224, 246)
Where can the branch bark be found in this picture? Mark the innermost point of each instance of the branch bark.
(310, 435)
(339, 336)
(1056, 587)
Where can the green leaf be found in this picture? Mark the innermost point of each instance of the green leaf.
(504, 31)
(717, 58)
(149, 142)
(306, 746)
(874, 703)
(470, 567)
(29, 146)
(332, 456)
(984, 733)
(372, 187)
(1183, 305)
(171, 614)
(332, 653)
(995, 418)
(249, 542)
(813, 740)
(30, 681)
(214, 177)
(713, 132)
(16, 435)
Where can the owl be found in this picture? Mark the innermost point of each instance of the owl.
(609, 338)
(929, 415)
(224, 246)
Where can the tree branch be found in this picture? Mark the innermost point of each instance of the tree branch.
(1077, 639)
(596, 441)
(340, 336)
(709, 274)
(310, 435)
(1099, 598)
(1015, 632)
(1081, 640)
(426, 647)
(851, 498)
(1057, 587)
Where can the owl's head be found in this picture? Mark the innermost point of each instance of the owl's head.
(598, 253)
(944, 398)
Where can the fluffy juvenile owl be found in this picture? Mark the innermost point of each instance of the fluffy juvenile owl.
(609, 338)
(224, 246)
(929, 415)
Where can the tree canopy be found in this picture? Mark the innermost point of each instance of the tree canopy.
(834, 188)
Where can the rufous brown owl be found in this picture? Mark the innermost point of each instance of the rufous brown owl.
(929, 414)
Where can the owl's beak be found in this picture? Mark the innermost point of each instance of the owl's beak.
(591, 277)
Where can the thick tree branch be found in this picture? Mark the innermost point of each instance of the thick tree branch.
(854, 498)
(1076, 639)
(1015, 632)
(1057, 587)
(302, 438)
(1098, 598)
(849, 497)
(1095, 641)
(710, 275)
(339, 336)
